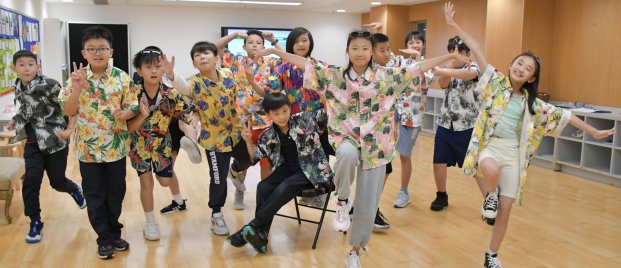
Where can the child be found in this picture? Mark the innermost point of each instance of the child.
(510, 127)
(458, 113)
(360, 123)
(151, 139)
(249, 105)
(47, 135)
(214, 92)
(104, 98)
(298, 162)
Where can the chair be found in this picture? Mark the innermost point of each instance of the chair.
(312, 192)
(13, 169)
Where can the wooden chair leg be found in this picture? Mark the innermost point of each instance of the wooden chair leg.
(7, 206)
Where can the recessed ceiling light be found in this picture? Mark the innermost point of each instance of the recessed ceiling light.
(67, 1)
(341, 10)
(376, 3)
(245, 2)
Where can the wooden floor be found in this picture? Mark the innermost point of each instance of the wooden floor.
(565, 222)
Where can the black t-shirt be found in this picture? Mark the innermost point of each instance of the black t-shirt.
(288, 150)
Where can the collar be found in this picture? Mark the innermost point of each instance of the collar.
(31, 85)
(368, 74)
(89, 72)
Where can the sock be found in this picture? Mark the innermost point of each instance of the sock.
(150, 216)
(490, 252)
(178, 199)
(404, 189)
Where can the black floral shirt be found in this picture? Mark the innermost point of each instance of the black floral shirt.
(461, 104)
(38, 105)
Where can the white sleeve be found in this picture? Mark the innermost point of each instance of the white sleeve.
(181, 85)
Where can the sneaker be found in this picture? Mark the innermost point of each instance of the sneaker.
(151, 231)
(120, 244)
(78, 196)
(191, 147)
(489, 221)
(174, 207)
(492, 261)
(403, 199)
(238, 202)
(105, 251)
(490, 205)
(236, 239)
(440, 202)
(380, 221)
(315, 201)
(352, 260)
(218, 226)
(238, 178)
(341, 219)
(255, 237)
(34, 234)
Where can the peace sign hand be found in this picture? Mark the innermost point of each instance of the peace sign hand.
(78, 77)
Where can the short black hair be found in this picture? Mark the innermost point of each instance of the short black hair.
(457, 42)
(148, 55)
(414, 35)
(96, 32)
(275, 102)
(23, 54)
(254, 32)
(380, 38)
(294, 35)
(203, 46)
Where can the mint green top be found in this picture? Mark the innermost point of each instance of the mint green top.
(510, 124)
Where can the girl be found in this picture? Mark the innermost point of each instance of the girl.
(360, 125)
(150, 136)
(510, 127)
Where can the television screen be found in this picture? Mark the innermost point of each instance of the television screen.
(236, 46)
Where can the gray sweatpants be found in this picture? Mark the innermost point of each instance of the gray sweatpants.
(368, 190)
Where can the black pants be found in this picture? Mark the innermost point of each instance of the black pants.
(275, 191)
(104, 189)
(219, 169)
(36, 162)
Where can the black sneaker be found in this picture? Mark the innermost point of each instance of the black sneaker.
(34, 233)
(174, 207)
(492, 261)
(489, 221)
(237, 239)
(255, 237)
(380, 221)
(78, 196)
(105, 251)
(440, 202)
(120, 244)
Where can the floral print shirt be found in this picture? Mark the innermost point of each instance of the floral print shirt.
(411, 105)
(289, 79)
(248, 101)
(359, 109)
(101, 137)
(547, 120)
(151, 143)
(303, 130)
(461, 104)
(38, 105)
(215, 102)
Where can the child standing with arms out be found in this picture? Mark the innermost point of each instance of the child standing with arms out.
(104, 98)
(151, 139)
(47, 136)
(508, 131)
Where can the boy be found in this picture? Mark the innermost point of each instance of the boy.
(248, 103)
(214, 92)
(298, 162)
(47, 136)
(104, 98)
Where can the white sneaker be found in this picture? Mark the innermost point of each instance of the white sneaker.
(218, 226)
(491, 260)
(490, 205)
(151, 231)
(341, 219)
(403, 199)
(238, 178)
(238, 203)
(352, 260)
(191, 147)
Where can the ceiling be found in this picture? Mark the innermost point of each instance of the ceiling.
(351, 6)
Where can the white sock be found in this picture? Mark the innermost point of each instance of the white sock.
(150, 216)
(178, 199)
(490, 252)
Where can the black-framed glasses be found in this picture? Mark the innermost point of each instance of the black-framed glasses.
(93, 50)
(358, 34)
(146, 52)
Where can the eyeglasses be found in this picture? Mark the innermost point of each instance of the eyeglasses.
(95, 50)
(533, 55)
(145, 52)
(357, 34)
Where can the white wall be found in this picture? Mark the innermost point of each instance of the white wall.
(176, 29)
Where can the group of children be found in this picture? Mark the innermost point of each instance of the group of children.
(292, 111)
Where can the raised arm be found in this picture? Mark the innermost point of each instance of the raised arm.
(77, 80)
(271, 38)
(433, 62)
(595, 133)
(181, 85)
(475, 48)
(296, 60)
(374, 27)
(223, 41)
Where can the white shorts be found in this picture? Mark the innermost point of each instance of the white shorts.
(506, 154)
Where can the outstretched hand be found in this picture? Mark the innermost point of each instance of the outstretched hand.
(246, 133)
(600, 134)
(449, 13)
(168, 66)
(373, 26)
